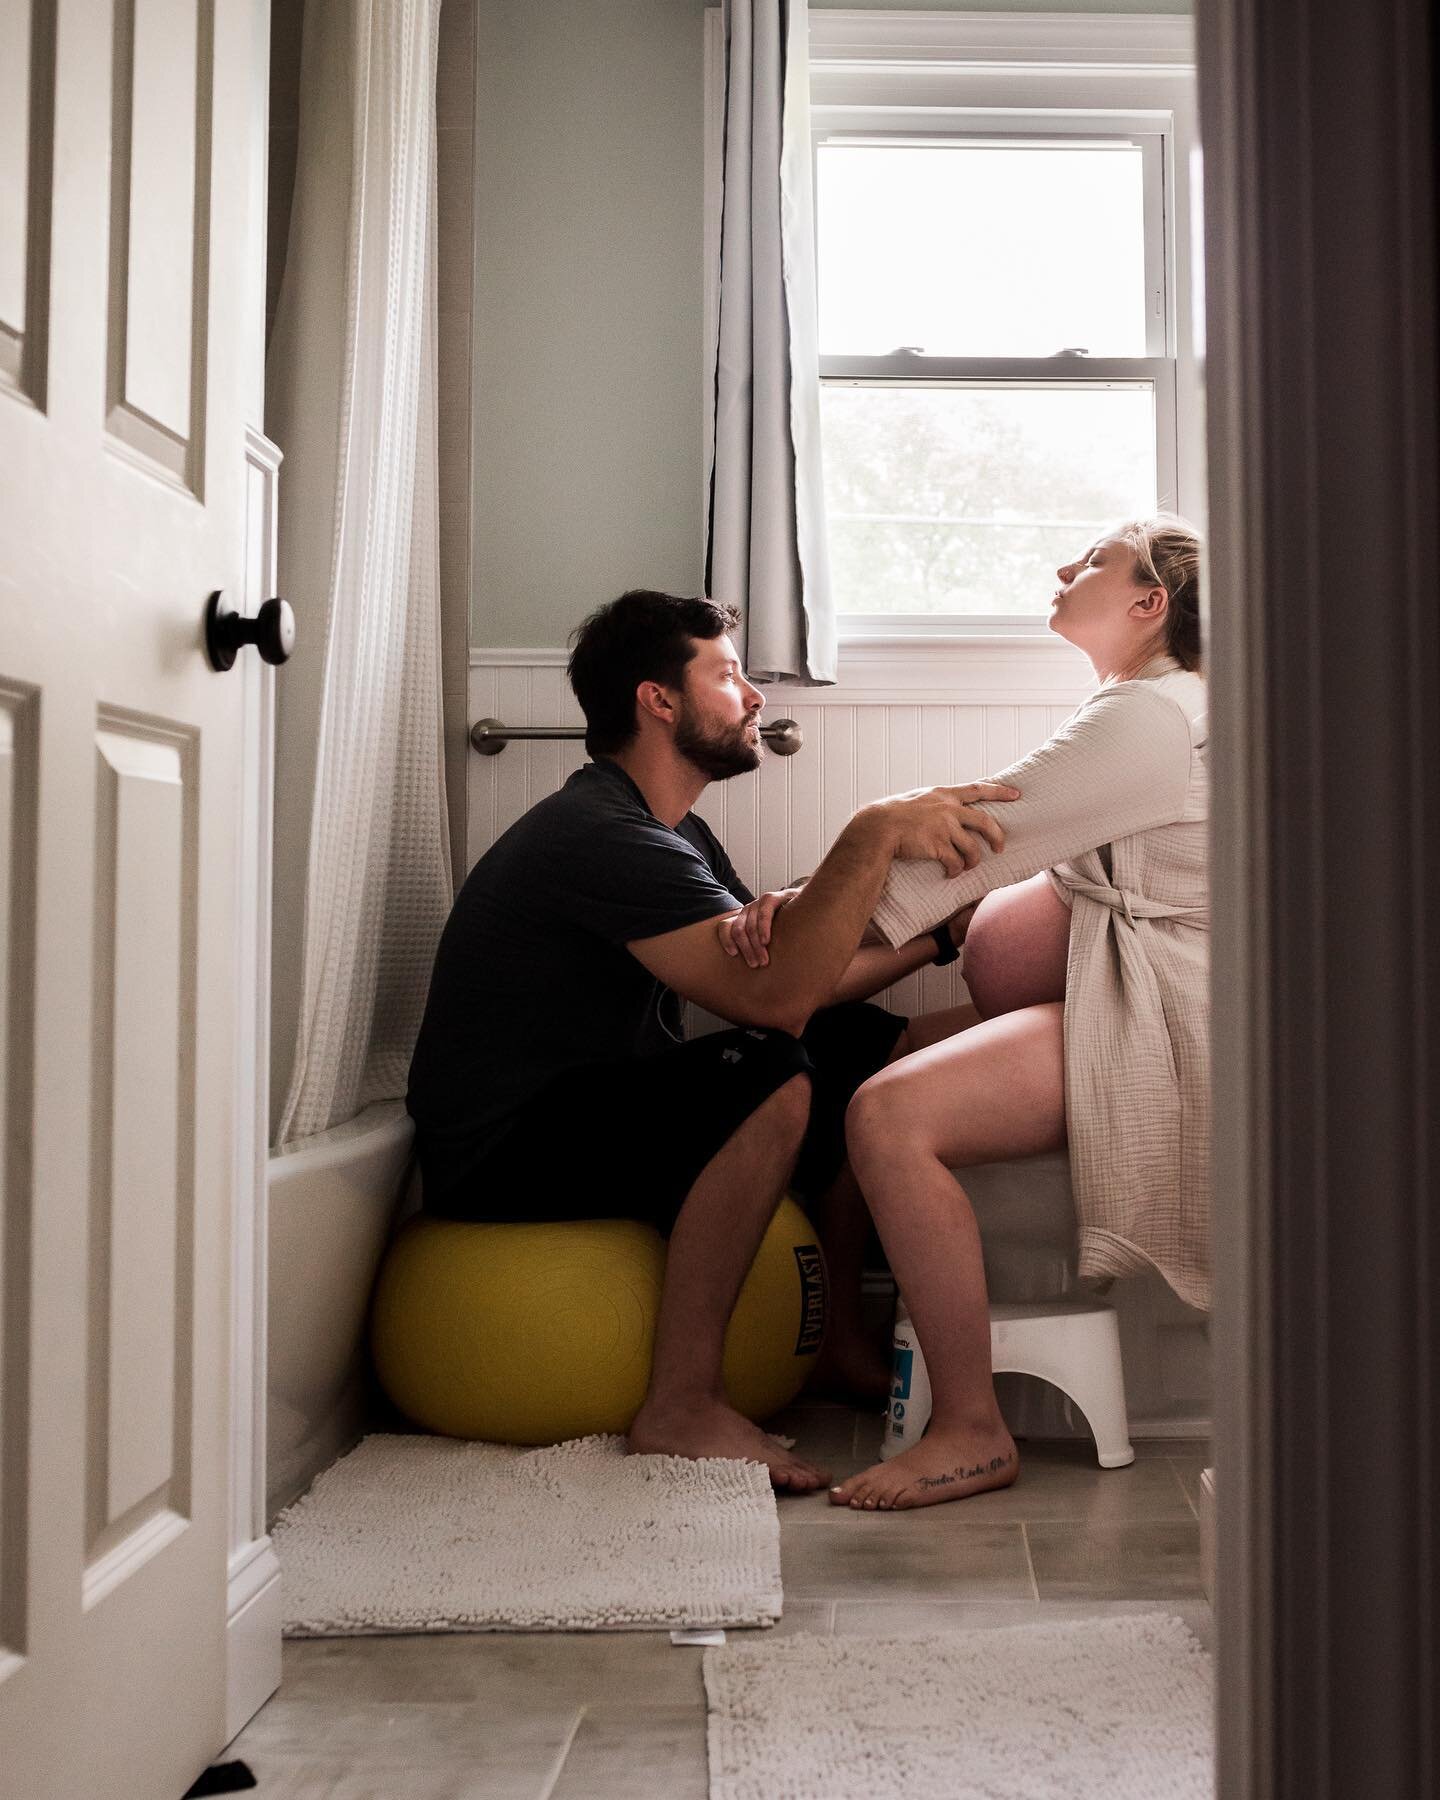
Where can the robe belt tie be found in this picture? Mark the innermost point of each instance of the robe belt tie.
(1134, 906)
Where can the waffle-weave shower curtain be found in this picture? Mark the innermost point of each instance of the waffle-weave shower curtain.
(352, 390)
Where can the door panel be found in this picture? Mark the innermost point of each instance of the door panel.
(122, 508)
(27, 79)
(160, 150)
(17, 987)
(142, 1191)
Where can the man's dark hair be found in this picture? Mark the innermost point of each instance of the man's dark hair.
(642, 636)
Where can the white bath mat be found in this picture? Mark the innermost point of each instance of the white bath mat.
(1100, 1709)
(428, 1534)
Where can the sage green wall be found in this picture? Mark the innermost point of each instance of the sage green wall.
(589, 177)
(587, 308)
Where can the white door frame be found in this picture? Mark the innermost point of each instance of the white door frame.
(1320, 189)
(253, 1602)
(253, 1608)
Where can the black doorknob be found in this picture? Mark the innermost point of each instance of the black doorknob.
(271, 631)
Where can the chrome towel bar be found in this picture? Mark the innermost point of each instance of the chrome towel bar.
(490, 736)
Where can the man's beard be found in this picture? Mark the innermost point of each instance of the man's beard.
(721, 752)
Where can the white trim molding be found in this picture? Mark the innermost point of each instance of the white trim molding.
(253, 1597)
(504, 657)
(871, 39)
(1012, 670)
(254, 1620)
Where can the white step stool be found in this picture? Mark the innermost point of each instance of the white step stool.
(1073, 1343)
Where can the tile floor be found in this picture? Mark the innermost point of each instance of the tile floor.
(623, 1715)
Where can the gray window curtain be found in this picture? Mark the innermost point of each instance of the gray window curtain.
(765, 543)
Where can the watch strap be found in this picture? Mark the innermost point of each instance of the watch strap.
(948, 951)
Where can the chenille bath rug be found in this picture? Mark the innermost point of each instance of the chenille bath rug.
(1114, 1708)
(429, 1534)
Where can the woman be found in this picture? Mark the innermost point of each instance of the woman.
(1089, 975)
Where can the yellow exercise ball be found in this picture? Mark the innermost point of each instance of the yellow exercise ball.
(532, 1334)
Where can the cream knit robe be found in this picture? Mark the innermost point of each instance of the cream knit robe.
(1114, 806)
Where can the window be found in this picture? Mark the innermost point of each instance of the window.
(1002, 233)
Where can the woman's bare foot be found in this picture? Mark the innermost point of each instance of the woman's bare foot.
(718, 1430)
(942, 1466)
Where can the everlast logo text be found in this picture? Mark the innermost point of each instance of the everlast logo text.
(813, 1294)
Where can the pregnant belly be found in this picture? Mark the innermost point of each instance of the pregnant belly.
(1016, 948)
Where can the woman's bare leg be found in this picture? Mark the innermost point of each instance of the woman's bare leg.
(1015, 957)
(926, 1029)
(992, 1092)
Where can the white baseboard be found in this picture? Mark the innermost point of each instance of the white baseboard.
(252, 1634)
(1171, 1426)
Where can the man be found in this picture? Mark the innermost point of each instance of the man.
(551, 1079)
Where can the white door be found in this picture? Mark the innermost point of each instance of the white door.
(124, 165)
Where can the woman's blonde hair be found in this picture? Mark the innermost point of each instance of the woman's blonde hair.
(1167, 554)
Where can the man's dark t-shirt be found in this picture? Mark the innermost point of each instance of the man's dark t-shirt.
(532, 976)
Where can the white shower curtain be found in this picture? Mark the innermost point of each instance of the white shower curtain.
(359, 491)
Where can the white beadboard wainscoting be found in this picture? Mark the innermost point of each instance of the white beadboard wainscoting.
(902, 715)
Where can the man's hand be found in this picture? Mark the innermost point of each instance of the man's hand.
(944, 825)
(941, 824)
(747, 933)
(821, 926)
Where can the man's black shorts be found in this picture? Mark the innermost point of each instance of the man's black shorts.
(627, 1140)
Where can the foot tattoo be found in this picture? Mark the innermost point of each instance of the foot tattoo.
(940, 1467)
(993, 1467)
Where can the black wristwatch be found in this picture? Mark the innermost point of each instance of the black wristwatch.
(949, 950)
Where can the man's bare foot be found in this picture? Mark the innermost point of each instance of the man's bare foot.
(718, 1430)
(940, 1467)
(851, 1368)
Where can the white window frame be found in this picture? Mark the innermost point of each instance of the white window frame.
(917, 75)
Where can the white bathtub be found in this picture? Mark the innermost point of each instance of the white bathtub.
(334, 1199)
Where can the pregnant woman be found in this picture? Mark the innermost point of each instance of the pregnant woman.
(1086, 961)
